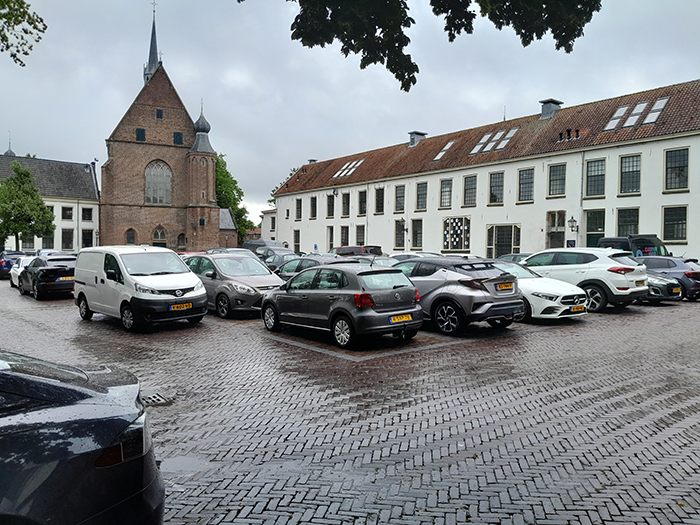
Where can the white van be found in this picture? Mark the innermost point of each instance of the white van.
(138, 284)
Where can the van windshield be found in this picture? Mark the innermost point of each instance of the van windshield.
(153, 263)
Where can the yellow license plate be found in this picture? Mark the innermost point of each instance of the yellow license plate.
(504, 286)
(401, 318)
(184, 306)
(69, 278)
(578, 308)
(676, 290)
(640, 283)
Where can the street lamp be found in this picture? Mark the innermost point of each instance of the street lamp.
(573, 225)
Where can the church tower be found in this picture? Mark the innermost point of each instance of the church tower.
(159, 181)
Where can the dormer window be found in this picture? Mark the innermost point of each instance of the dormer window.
(636, 113)
(480, 144)
(616, 118)
(655, 110)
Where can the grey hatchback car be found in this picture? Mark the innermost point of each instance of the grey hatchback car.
(348, 300)
(455, 292)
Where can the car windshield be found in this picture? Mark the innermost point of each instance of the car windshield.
(515, 269)
(153, 263)
(383, 280)
(241, 266)
(480, 269)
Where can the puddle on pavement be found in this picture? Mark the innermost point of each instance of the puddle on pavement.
(183, 464)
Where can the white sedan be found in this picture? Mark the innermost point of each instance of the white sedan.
(17, 268)
(546, 298)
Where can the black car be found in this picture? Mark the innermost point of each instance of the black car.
(7, 259)
(290, 268)
(76, 446)
(347, 300)
(50, 274)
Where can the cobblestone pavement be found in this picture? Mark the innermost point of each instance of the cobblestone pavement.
(587, 421)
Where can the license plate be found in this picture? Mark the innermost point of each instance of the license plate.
(400, 318)
(578, 308)
(640, 283)
(504, 286)
(69, 278)
(676, 290)
(184, 306)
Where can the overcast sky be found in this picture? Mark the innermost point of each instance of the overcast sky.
(273, 104)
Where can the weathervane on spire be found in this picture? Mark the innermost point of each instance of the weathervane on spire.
(154, 7)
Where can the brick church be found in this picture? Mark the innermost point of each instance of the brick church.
(158, 183)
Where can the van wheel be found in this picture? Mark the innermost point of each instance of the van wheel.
(223, 306)
(129, 320)
(83, 308)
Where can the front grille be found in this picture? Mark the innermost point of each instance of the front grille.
(572, 300)
(174, 292)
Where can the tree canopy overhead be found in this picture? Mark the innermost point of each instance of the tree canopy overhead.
(376, 30)
(18, 28)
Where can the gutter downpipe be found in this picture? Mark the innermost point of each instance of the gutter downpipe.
(583, 182)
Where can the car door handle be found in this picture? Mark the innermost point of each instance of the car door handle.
(304, 296)
(331, 297)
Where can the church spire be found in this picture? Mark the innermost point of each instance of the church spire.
(153, 61)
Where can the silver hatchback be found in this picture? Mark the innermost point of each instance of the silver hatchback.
(348, 300)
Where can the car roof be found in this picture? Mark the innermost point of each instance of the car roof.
(595, 251)
(358, 269)
(127, 249)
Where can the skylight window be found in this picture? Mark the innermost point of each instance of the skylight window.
(444, 150)
(616, 118)
(636, 113)
(493, 141)
(480, 144)
(348, 168)
(655, 110)
(507, 138)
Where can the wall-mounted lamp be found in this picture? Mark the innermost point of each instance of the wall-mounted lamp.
(402, 225)
(335, 192)
(573, 225)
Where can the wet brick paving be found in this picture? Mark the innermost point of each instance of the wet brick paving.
(586, 421)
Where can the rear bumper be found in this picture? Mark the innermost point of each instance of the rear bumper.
(379, 323)
(504, 310)
(55, 287)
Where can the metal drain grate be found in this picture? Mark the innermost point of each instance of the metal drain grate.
(151, 398)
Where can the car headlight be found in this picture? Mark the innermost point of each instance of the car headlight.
(546, 296)
(198, 286)
(133, 442)
(653, 280)
(242, 288)
(145, 289)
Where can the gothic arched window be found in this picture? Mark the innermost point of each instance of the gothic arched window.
(181, 239)
(130, 237)
(158, 177)
(159, 238)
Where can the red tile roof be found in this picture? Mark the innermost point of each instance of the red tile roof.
(535, 136)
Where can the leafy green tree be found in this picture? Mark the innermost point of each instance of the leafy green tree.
(18, 27)
(230, 195)
(271, 200)
(22, 210)
(376, 30)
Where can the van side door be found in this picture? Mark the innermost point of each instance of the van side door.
(111, 290)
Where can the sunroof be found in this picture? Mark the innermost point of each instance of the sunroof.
(636, 113)
(655, 110)
(616, 118)
(444, 150)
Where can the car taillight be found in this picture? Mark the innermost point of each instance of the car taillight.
(417, 295)
(692, 275)
(363, 300)
(622, 270)
(133, 442)
(477, 284)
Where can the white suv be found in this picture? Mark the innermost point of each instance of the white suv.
(606, 274)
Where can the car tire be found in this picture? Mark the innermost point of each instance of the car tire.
(84, 309)
(597, 301)
(35, 291)
(448, 318)
(20, 287)
(526, 315)
(343, 332)
(500, 323)
(270, 318)
(223, 306)
(195, 320)
(130, 321)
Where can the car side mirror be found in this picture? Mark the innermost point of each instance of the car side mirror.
(211, 274)
(111, 275)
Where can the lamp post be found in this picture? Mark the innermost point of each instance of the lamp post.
(573, 224)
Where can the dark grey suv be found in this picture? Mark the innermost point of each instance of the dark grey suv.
(348, 300)
(686, 271)
(455, 292)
